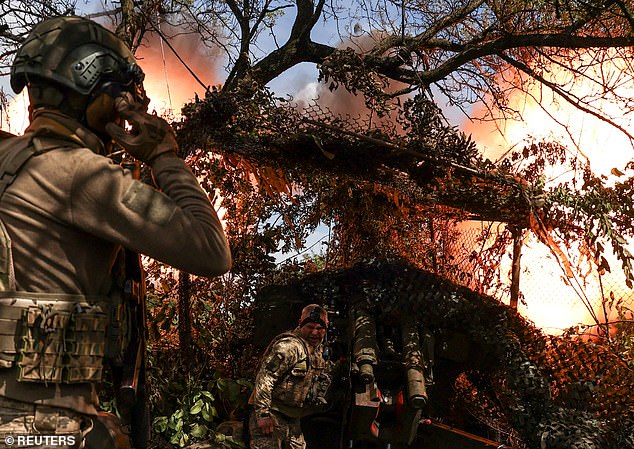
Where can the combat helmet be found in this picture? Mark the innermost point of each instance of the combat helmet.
(78, 54)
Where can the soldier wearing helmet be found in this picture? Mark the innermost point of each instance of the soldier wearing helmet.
(292, 382)
(70, 219)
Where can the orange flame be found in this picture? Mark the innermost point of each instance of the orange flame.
(551, 302)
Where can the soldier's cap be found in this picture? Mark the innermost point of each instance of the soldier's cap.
(314, 313)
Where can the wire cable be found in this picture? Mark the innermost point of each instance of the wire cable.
(167, 83)
(160, 33)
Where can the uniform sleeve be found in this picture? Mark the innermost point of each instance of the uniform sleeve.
(176, 225)
(278, 361)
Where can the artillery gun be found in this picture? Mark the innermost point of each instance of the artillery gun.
(393, 372)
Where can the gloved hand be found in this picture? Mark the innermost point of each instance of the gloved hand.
(151, 136)
(266, 425)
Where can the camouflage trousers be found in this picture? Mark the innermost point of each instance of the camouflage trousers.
(287, 434)
(30, 425)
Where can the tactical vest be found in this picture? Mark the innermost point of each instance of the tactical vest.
(51, 337)
(304, 385)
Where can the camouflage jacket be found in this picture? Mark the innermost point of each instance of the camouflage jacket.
(293, 378)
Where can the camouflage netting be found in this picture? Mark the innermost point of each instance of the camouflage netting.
(554, 392)
(415, 152)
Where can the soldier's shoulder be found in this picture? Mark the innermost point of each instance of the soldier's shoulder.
(289, 340)
(6, 135)
(9, 141)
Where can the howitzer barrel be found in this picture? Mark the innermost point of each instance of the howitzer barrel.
(366, 373)
(414, 364)
(364, 348)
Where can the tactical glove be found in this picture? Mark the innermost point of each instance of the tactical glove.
(150, 137)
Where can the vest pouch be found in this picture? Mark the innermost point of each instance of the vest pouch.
(294, 387)
(11, 317)
(317, 395)
(86, 345)
(61, 343)
(41, 344)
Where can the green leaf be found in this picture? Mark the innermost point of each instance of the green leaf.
(208, 413)
(197, 407)
(160, 424)
(229, 390)
(208, 395)
(199, 431)
(176, 438)
(245, 383)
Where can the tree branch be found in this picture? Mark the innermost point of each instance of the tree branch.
(303, 20)
(242, 63)
(495, 47)
(559, 91)
(289, 55)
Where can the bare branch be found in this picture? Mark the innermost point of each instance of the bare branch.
(565, 95)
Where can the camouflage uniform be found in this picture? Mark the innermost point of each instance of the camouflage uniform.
(291, 383)
(48, 427)
(287, 434)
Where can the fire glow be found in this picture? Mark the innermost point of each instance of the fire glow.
(550, 299)
(168, 82)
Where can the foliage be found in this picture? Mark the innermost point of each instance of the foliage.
(189, 401)
(347, 68)
(281, 171)
(372, 215)
(623, 343)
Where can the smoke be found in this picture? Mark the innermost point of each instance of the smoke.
(340, 101)
(168, 82)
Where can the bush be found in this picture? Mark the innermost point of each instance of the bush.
(189, 400)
